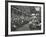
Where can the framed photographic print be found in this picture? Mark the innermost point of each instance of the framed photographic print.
(24, 18)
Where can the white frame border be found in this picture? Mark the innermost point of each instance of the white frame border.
(23, 32)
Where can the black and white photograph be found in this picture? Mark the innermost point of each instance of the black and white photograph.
(25, 18)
